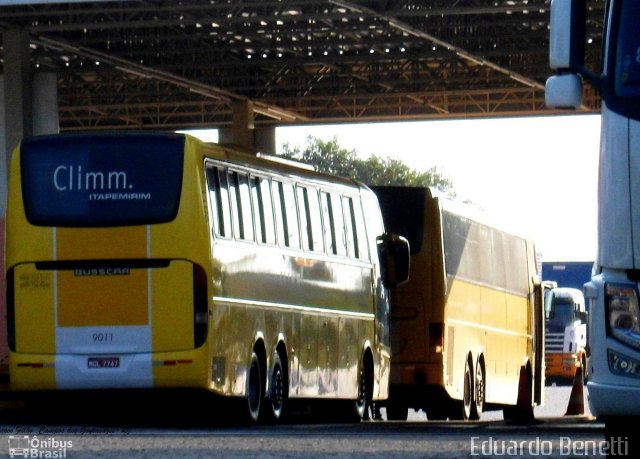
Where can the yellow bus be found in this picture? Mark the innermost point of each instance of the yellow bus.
(157, 261)
(467, 330)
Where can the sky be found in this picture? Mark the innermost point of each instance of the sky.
(535, 176)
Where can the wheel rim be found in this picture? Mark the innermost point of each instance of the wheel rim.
(277, 390)
(479, 390)
(362, 392)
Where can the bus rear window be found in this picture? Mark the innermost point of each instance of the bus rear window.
(101, 180)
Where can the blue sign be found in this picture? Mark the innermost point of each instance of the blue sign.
(102, 179)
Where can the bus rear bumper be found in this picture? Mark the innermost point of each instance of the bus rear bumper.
(613, 400)
(184, 369)
(416, 374)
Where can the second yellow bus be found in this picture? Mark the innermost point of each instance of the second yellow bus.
(467, 330)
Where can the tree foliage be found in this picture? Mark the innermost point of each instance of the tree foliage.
(329, 157)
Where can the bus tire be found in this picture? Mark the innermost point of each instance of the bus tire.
(468, 403)
(254, 389)
(276, 400)
(479, 390)
(364, 400)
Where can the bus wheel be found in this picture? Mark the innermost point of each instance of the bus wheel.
(254, 388)
(277, 389)
(397, 412)
(479, 387)
(365, 391)
(467, 400)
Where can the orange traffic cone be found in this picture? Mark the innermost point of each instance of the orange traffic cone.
(576, 400)
(522, 412)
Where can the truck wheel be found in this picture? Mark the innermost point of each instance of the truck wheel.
(585, 372)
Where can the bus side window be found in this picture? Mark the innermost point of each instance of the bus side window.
(485, 260)
(241, 206)
(333, 224)
(500, 264)
(219, 198)
(261, 196)
(350, 224)
(310, 219)
(305, 218)
(338, 217)
(517, 278)
(291, 215)
(282, 230)
(361, 234)
(329, 224)
(286, 214)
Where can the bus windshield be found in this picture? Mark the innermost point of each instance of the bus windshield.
(101, 180)
(627, 64)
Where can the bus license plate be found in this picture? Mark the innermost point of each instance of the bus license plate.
(104, 362)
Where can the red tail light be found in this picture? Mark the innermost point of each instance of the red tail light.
(436, 337)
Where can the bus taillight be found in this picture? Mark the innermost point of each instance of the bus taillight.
(436, 337)
(200, 306)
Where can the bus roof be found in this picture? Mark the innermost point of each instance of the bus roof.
(465, 210)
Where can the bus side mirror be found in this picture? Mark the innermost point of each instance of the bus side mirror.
(394, 258)
(566, 54)
(563, 91)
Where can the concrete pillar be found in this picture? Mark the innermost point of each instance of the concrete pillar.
(16, 100)
(265, 139)
(43, 119)
(28, 106)
(4, 157)
(242, 127)
(4, 162)
(225, 136)
(46, 119)
(17, 90)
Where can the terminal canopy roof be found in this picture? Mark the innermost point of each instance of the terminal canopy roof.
(166, 64)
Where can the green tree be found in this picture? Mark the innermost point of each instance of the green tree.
(329, 157)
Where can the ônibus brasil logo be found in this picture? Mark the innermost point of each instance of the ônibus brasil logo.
(32, 446)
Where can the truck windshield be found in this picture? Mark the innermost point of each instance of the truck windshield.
(627, 63)
(562, 311)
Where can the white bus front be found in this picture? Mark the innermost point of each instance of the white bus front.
(613, 293)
